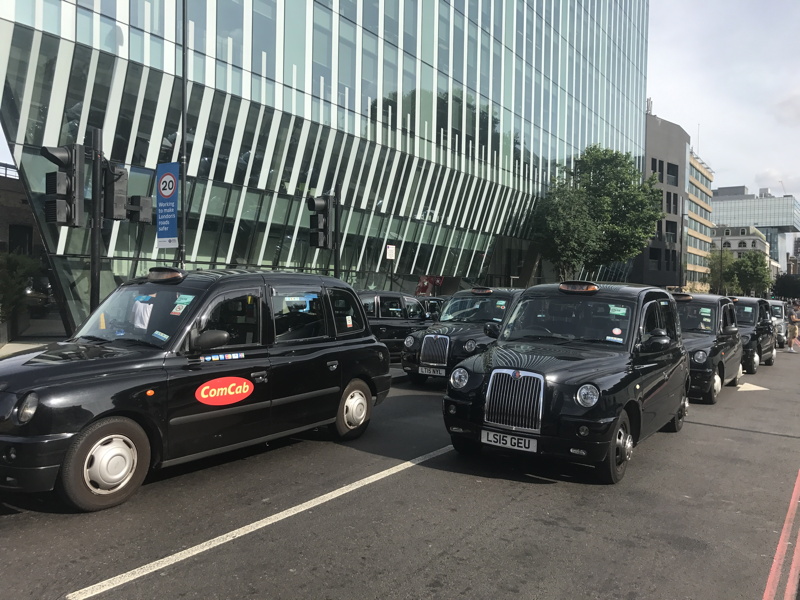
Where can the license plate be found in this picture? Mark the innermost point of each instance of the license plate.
(431, 371)
(508, 441)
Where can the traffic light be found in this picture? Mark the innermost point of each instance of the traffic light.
(115, 193)
(63, 202)
(140, 209)
(322, 214)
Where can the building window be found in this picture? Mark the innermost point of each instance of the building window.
(743, 231)
(655, 259)
(726, 245)
(727, 232)
(753, 244)
(672, 232)
(742, 244)
(672, 174)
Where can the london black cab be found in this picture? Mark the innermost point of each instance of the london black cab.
(458, 333)
(393, 316)
(177, 366)
(710, 334)
(780, 319)
(759, 343)
(580, 371)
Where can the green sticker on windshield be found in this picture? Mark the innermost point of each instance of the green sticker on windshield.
(617, 310)
(184, 299)
(748, 309)
(705, 311)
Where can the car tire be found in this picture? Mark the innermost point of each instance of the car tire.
(105, 464)
(710, 396)
(675, 424)
(613, 468)
(771, 360)
(354, 412)
(465, 446)
(737, 379)
(417, 379)
(752, 368)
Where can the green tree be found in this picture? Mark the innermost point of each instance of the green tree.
(787, 286)
(722, 276)
(753, 273)
(625, 208)
(563, 228)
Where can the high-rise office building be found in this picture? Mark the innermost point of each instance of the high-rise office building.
(440, 120)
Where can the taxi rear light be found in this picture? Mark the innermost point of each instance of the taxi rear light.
(165, 274)
(582, 287)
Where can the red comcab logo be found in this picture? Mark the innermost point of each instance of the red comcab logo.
(225, 390)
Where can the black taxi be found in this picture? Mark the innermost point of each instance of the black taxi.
(711, 336)
(759, 342)
(582, 371)
(457, 334)
(393, 316)
(177, 366)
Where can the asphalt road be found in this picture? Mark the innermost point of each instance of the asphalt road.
(703, 514)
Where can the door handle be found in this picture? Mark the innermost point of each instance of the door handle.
(259, 376)
(333, 365)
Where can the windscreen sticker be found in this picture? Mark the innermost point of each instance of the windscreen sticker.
(178, 309)
(144, 298)
(617, 310)
(610, 338)
(349, 320)
(184, 299)
(616, 331)
(706, 319)
(501, 303)
(748, 309)
(119, 332)
(224, 390)
(705, 311)
(161, 336)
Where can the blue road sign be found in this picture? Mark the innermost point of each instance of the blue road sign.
(167, 211)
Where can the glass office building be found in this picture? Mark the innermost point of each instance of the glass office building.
(440, 120)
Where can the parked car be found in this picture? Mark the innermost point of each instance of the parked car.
(393, 316)
(580, 371)
(711, 336)
(39, 296)
(780, 319)
(458, 333)
(179, 365)
(759, 344)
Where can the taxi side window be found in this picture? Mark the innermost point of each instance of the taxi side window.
(368, 302)
(346, 313)
(668, 319)
(414, 309)
(298, 314)
(239, 315)
(391, 308)
(728, 317)
(651, 321)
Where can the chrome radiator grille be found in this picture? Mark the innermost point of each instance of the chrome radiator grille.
(434, 350)
(514, 400)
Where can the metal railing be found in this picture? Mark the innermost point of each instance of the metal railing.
(8, 171)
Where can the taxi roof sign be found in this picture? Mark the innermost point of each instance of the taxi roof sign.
(481, 290)
(580, 287)
(682, 297)
(165, 274)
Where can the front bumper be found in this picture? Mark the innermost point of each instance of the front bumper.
(567, 444)
(701, 381)
(31, 464)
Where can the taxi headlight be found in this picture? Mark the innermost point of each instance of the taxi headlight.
(459, 378)
(27, 408)
(408, 342)
(587, 395)
(700, 356)
(470, 345)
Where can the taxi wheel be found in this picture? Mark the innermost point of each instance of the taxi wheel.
(710, 397)
(738, 378)
(417, 379)
(675, 424)
(771, 360)
(355, 411)
(756, 360)
(613, 468)
(105, 464)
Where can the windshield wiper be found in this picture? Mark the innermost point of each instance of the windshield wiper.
(141, 342)
(700, 329)
(598, 341)
(93, 338)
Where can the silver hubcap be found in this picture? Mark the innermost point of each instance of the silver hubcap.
(624, 446)
(685, 407)
(756, 359)
(741, 372)
(110, 464)
(717, 384)
(355, 409)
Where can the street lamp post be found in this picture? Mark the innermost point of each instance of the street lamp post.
(721, 248)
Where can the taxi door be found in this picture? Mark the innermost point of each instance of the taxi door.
(220, 398)
(304, 374)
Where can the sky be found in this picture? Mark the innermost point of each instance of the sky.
(728, 72)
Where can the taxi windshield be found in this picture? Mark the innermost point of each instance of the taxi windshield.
(474, 309)
(745, 315)
(697, 317)
(149, 314)
(571, 317)
(777, 311)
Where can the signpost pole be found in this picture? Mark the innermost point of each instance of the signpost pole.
(184, 110)
(97, 217)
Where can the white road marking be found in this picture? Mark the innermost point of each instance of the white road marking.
(167, 561)
(749, 387)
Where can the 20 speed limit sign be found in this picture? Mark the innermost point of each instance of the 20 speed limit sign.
(167, 184)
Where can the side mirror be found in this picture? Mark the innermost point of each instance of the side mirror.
(658, 341)
(730, 330)
(492, 329)
(212, 338)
